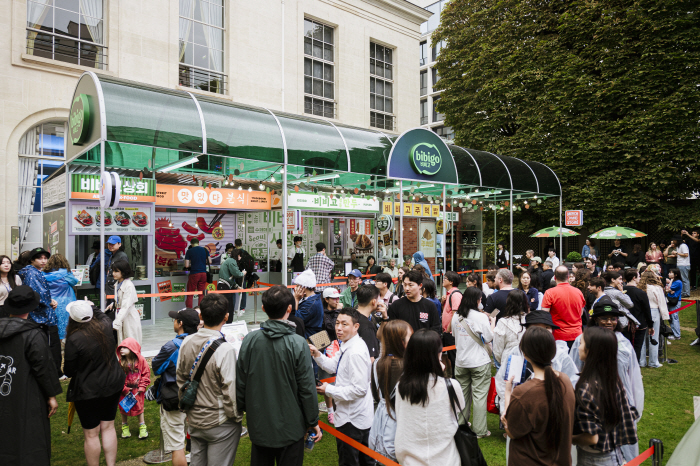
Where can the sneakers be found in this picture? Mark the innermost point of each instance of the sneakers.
(63, 377)
(244, 432)
(696, 342)
(331, 418)
(656, 367)
(487, 434)
(125, 431)
(143, 432)
(241, 312)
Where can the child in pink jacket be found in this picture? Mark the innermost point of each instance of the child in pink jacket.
(138, 378)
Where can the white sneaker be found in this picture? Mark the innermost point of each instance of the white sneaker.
(696, 342)
(187, 458)
(241, 312)
(65, 377)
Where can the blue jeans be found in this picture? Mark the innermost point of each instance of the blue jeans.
(612, 458)
(653, 349)
(685, 277)
(675, 322)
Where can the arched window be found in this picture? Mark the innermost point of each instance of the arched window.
(41, 152)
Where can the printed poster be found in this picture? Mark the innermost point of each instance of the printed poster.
(85, 220)
(165, 287)
(178, 288)
(427, 238)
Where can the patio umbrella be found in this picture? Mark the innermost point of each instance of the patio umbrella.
(552, 232)
(617, 232)
(71, 414)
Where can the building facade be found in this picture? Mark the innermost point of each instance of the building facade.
(427, 53)
(349, 61)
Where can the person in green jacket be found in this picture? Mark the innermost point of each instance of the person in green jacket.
(275, 385)
(228, 273)
(348, 297)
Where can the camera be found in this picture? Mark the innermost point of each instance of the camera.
(653, 342)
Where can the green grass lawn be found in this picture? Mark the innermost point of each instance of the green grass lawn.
(668, 413)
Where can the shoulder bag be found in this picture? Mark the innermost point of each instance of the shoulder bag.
(189, 388)
(475, 337)
(465, 438)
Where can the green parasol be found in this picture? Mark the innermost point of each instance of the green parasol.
(553, 232)
(617, 232)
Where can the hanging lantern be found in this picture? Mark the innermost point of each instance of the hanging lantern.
(507, 203)
(527, 206)
(356, 191)
(296, 188)
(474, 201)
(539, 201)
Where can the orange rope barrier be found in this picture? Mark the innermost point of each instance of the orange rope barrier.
(641, 458)
(357, 445)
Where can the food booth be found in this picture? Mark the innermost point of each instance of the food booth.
(209, 168)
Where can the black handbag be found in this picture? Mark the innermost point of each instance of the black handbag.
(465, 438)
(672, 301)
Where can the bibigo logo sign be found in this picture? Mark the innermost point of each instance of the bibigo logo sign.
(425, 159)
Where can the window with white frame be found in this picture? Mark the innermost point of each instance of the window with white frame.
(381, 86)
(319, 69)
(201, 45)
(70, 31)
(41, 153)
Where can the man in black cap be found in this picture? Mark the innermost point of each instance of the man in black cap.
(95, 253)
(172, 420)
(45, 313)
(28, 383)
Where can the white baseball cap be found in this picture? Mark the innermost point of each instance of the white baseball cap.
(80, 311)
(331, 293)
(307, 279)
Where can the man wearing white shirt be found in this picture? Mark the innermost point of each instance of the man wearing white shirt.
(553, 259)
(381, 252)
(354, 405)
(683, 264)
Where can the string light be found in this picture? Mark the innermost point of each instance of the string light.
(240, 188)
(272, 178)
(261, 187)
(250, 189)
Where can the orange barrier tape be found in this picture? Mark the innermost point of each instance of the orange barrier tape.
(247, 290)
(357, 445)
(641, 458)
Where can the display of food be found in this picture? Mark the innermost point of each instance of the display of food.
(363, 242)
(84, 218)
(108, 218)
(140, 219)
(122, 219)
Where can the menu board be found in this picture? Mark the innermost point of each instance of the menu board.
(85, 220)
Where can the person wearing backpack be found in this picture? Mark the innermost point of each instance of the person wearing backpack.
(451, 301)
(206, 378)
(383, 282)
(172, 420)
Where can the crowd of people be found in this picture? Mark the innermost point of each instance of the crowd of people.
(581, 337)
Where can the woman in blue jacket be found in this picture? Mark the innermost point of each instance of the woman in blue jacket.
(61, 282)
(674, 287)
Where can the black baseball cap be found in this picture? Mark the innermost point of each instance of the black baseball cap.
(540, 317)
(605, 306)
(187, 316)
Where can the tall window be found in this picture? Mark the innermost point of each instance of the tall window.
(319, 69)
(423, 53)
(424, 112)
(436, 77)
(436, 49)
(41, 152)
(71, 31)
(445, 132)
(381, 86)
(201, 45)
(423, 82)
(437, 116)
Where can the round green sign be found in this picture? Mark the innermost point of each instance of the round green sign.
(425, 158)
(79, 120)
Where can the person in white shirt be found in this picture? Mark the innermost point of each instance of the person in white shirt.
(95, 253)
(354, 405)
(553, 259)
(392, 270)
(473, 330)
(683, 264)
(296, 256)
(381, 253)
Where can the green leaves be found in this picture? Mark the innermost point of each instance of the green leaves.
(604, 92)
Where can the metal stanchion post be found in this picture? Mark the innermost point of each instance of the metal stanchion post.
(158, 456)
(255, 301)
(658, 451)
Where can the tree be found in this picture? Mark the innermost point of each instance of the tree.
(606, 93)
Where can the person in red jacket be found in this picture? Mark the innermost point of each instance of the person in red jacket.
(138, 378)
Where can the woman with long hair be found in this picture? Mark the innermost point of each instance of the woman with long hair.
(430, 293)
(511, 326)
(674, 289)
(8, 277)
(61, 282)
(399, 284)
(581, 281)
(502, 256)
(394, 336)
(474, 280)
(651, 284)
(423, 394)
(540, 412)
(605, 420)
(473, 330)
(653, 255)
(636, 256)
(127, 322)
(670, 256)
(530, 290)
(96, 378)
